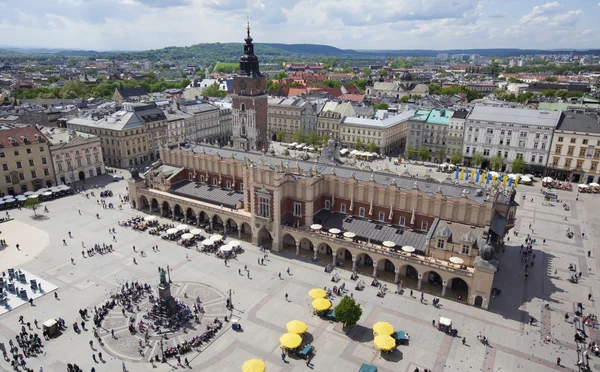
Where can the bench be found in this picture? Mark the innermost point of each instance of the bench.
(306, 351)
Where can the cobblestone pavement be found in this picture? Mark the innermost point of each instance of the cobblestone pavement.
(263, 310)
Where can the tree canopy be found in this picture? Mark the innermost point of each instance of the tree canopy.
(33, 204)
(213, 91)
(496, 162)
(456, 158)
(410, 153)
(424, 154)
(348, 311)
(477, 159)
(518, 165)
(372, 147)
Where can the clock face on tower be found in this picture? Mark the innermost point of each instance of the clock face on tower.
(243, 84)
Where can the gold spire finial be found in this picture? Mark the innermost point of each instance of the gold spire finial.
(248, 24)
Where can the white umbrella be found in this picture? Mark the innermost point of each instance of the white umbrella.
(457, 260)
(234, 243)
(27, 193)
(408, 249)
(494, 174)
(187, 236)
(64, 187)
(208, 242)
(11, 200)
(21, 197)
(2, 202)
(47, 193)
(196, 232)
(349, 234)
(33, 196)
(8, 197)
(149, 218)
(172, 231)
(594, 184)
(583, 186)
(316, 226)
(42, 190)
(226, 248)
(389, 244)
(525, 179)
(335, 231)
(547, 179)
(182, 227)
(216, 237)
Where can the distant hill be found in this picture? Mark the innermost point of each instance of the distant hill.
(230, 52)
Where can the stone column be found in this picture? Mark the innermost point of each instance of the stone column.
(334, 262)
(354, 259)
(211, 223)
(420, 281)
(239, 233)
(161, 211)
(374, 269)
(444, 285)
(396, 274)
(198, 220)
(315, 251)
(297, 248)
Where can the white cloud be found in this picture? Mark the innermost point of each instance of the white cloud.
(542, 11)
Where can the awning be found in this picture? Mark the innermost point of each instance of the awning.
(498, 224)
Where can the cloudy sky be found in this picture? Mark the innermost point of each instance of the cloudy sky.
(349, 24)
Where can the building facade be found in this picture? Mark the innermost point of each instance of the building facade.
(456, 129)
(435, 133)
(386, 132)
(249, 103)
(157, 126)
(330, 118)
(123, 135)
(510, 133)
(285, 115)
(575, 149)
(25, 160)
(76, 156)
(275, 204)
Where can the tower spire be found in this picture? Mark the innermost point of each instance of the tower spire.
(248, 24)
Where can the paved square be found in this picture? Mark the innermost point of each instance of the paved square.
(263, 310)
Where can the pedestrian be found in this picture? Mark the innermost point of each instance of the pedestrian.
(240, 271)
(566, 317)
(411, 293)
(288, 271)
(36, 323)
(64, 242)
(248, 274)
(526, 275)
(258, 261)
(72, 261)
(246, 267)
(558, 361)
(17, 247)
(91, 342)
(123, 365)
(187, 364)
(590, 297)
(307, 361)
(464, 341)
(112, 333)
(80, 212)
(286, 297)
(225, 262)
(134, 249)
(589, 253)
(283, 356)
(94, 357)
(279, 276)
(433, 322)
(187, 257)
(100, 355)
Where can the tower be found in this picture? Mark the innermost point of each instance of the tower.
(249, 102)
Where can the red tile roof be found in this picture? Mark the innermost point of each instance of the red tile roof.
(20, 135)
(352, 97)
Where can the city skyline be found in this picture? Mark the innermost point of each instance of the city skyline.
(436, 24)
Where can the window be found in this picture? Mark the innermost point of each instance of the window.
(215, 181)
(327, 204)
(297, 209)
(46, 172)
(33, 174)
(558, 149)
(535, 145)
(91, 173)
(467, 150)
(60, 167)
(585, 141)
(228, 185)
(440, 244)
(343, 208)
(22, 176)
(264, 206)
(28, 151)
(41, 148)
(79, 162)
(594, 166)
(505, 154)
(361, 211)
(241, 187)
(31, 162)
(16, 153)
(2, 154)
(543, 145)
(541, 159)
(579, 163)
(465, 249)
(567, 162)
(382, 216)
(532, 158)
(19, 165)
(511, 215)
(7, 179)
(5, 167)
(486, 152)
(43, 160)
(573, 140)
(202, 179)
(490, 131)
(424, 225)
(571, 150)
(560, 139)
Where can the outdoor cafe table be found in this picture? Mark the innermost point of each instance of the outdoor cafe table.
(335, 231)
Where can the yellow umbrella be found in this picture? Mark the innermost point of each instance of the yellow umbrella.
(383, 328)
(317, 293)
(321, 304)
(254, 365)
(384, 342)
(296, 326)
(290, 340)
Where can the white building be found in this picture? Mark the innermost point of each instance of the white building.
(510, 133)
(456, 130)
(388, 133)
(76, 156)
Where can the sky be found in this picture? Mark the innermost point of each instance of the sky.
(347, 24)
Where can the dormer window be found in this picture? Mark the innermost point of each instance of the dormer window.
(440, 243)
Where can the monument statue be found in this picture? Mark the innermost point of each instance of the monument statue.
(163, 276)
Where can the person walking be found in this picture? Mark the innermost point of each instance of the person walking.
(589, 297)
(123, 365)
(558, 361)
(464, 341)
(288, 271)
(286, 297)
(279, 276)
(94, 357)
(248, 274)
(112, 333)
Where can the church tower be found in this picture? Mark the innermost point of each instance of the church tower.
(249, 102)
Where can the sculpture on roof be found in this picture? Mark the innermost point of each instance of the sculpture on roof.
(329, 152)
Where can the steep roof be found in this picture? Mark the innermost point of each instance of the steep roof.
(582, 123)
(127, 93)
(21, 136)
(518, 116)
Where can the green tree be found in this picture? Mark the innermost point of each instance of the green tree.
(549, 93)
(312, 138)
(410, 152)
(280, 75)
(348, 311)
(213, 91)
(477, 159)
(441, 155)
(33, 204)
(496, 162)
(383, 73)
(405, 99)
(434, 88)
(456, 158)
(551, 79)
(273, 86)
(366, 71)
(299, 137)
(518, 165)
(332, 83)
(358, 144)
(424, 154)
(381, 106)
(281, 136)
(371, 147)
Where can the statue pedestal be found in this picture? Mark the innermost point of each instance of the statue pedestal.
(164, 294)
